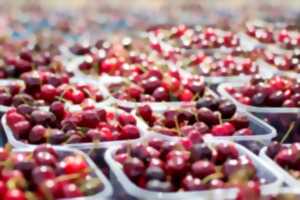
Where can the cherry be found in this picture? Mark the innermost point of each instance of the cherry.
(216, 184)
(52, 186)
(186, 95)
(207, 116)
(14, 117)
(231, 167)
(145, 112)
(42, 173)
(151, 84)
(225, 151)
(201, 151)
(3, 188)
(14, 194)
(71, 190)
(203, 168)
(125, 119)
(259, 99)
(89, 118)
(21, 129)
(74, 165)
(286, 158)
(45, 148)
(155, 172)
(45, 158)
(208, 102)
(5, 99)
(130, 131)
(276, 99)
(239, 121)
(190, 183)
(56, 136)
(161, 94)
(25, 109)
(226, 129)
(133, 168)
(58, 109)
(77, 97)
(176, 166)
(42, 117)
(156, 143)
(37, 134)
(48, 92)
(227, 109)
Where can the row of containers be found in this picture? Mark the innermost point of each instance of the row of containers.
(120, 186)
(265, 123)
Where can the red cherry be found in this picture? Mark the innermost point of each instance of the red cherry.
(21, 129)
(226, 129)
(75, 164)
(48, 92)
(14, 117)
(186, 95)
(77, 97)
(14, 194)
(71, 190)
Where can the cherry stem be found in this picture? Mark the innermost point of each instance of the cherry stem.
(32, 196)
(212, 176)
(288, 132)
(96, 144)
(72, 176)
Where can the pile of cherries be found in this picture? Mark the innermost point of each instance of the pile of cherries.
(261, 32)
(156, 85)
(59, 125)
(221, 66)
(210, 116)
(194, 37)
(166, 166)
(278, 91)
(284, 62)
(14, 63)
(286, 156)
(43, 88)
(121, 62)
(288, 39)
(45, 174)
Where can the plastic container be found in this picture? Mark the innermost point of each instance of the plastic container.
(72, 66)
(73, 80)
(288, 179)
(275, 70)
(158, 105)
(105, 193)
(283, 193)
(263, 132)
(82, 146)
(140, 193)
(281, 118)
(98, 85)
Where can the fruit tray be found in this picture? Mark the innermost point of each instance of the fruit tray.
(281, 118)
(277, 61)
(162, 120)
(157, 105)
(93, 141)
(272, 180)
(219, 68)
(62, 152)
(288, 178)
